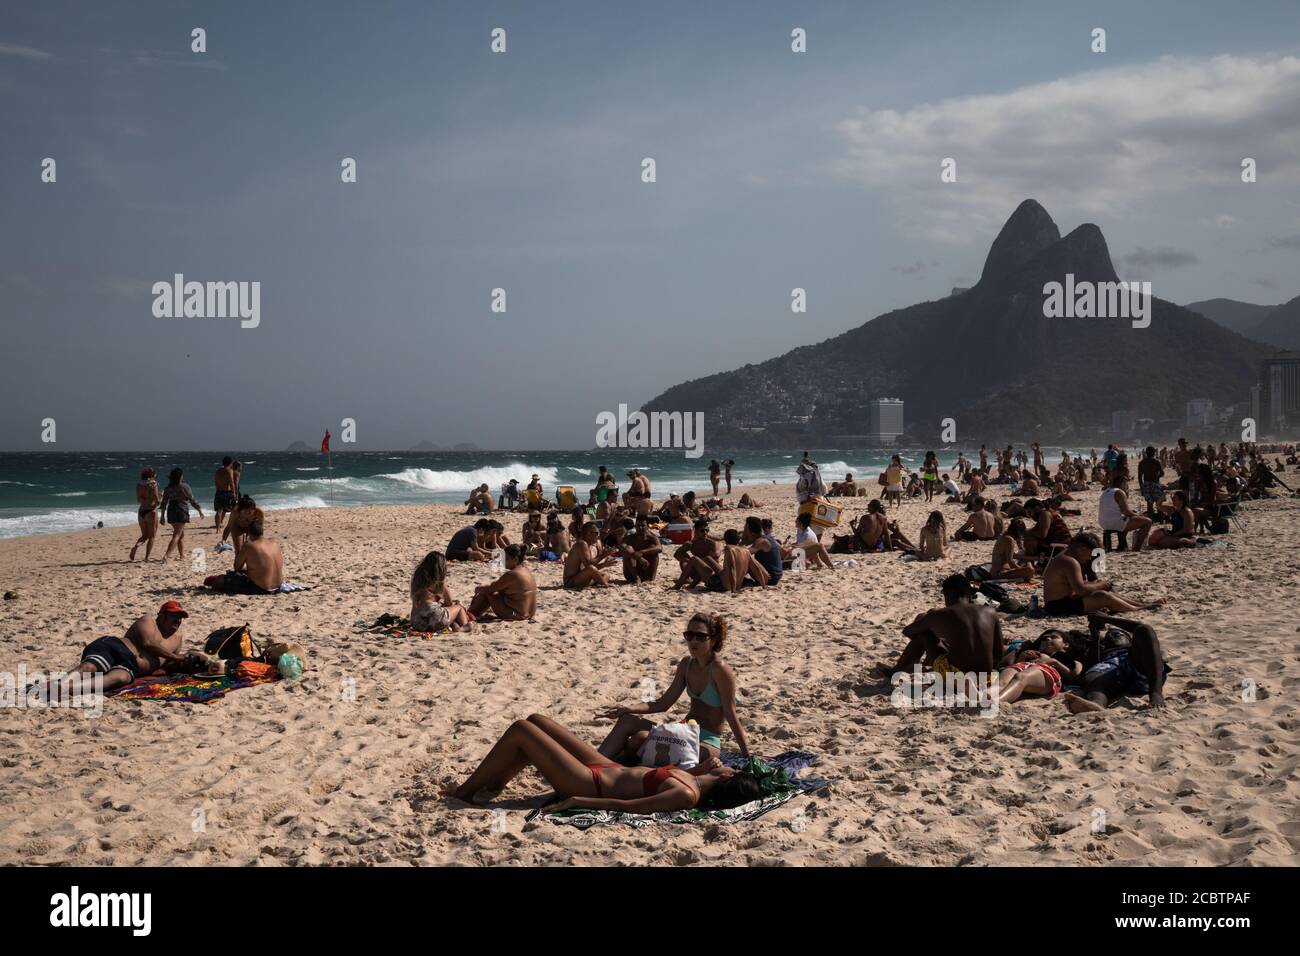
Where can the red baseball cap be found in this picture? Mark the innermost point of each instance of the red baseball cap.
(172, 607)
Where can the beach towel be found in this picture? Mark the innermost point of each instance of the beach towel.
(390, 625)
(189, 688)
(288, 587)
(776, 777)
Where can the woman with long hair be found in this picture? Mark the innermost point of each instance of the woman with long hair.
(175, 508)
(147, 496)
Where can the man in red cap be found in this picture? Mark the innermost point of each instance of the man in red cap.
(149, 644)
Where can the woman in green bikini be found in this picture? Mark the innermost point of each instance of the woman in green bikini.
(711, 686)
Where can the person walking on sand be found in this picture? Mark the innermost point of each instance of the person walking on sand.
(175, 507)
(223, 502)
(147, 497)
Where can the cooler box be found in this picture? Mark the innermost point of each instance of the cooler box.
(824, 514)
(565, 497)
(677, 533)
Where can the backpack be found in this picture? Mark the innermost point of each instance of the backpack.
(230, 642)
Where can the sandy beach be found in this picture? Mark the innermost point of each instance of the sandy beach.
(293, 773)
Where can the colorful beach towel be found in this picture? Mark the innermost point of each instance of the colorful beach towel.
(189, 688)
(391, 626)
(776, 777)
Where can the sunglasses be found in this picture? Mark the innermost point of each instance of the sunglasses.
(696, 635)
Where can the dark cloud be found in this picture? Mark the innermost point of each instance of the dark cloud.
(1285, 242)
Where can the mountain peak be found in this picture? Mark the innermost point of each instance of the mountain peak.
(1087, 254)
(1029, 231)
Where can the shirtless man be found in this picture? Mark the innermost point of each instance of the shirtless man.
(245, 513)
(738, 563)
(961, 636)
(557, 538)
(511, 597)
(1008, 554)
(1048, 528)
(223, 502)
(980, 526)
(585, 563)
(641, 552)
(259, 566)
(700, 558)
(147, 646)
(1067, 593)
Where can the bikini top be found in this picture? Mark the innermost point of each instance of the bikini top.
(709, 695)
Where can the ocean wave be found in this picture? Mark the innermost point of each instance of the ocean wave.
(69, 494)
(446, 481)
(62, 520)
(25, 484)
(306, 469)
(281, 502)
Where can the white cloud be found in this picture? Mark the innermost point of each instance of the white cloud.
(1097, 142)
(26, 52)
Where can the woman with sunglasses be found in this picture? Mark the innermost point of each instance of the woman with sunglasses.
(711, 686)
(585, 778)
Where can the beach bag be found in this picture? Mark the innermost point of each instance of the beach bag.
(843, 544)
(674, 743)
(994, 592)
(978, 572)
(229, 642)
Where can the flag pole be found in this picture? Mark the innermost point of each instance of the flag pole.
(329, 461)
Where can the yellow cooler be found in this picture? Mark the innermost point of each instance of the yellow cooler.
(824, 514)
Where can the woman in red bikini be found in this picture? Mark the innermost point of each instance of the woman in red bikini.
(586, 778)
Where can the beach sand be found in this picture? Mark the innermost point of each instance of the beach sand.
(292, 773)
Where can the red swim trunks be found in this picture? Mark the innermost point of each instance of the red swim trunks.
(1053, 676)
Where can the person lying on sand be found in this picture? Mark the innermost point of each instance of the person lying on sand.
(1128, 663)
(640, 552)
(747, 502)
(585, 563)
(511, 597)
(709, 683)
(149, 645)
(1039, 671)
(960, 637)
(585, 778)
(432, 606)
(259, 567)
(1066, 592)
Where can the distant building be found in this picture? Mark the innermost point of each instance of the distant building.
(1122, 424)
(1200, 413)
(1280, 391)
(886, 420)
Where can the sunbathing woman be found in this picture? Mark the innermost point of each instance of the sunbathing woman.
(708, 682)
(1038, 672)
(432, 606)
(585, 778)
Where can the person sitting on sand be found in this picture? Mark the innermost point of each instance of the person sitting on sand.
(1114, 513)
(147, 497)
(933, 539)
(533, 532)
(241, 519)
(747, 502)
(700, 558)
(640, 552)
(765, 548)
(558, 542)
(1048, 528)
(709, 683)
(1008, 561)
(951, 489)
(511, 597)
(960, 637)
(259, 567)
(479, 501)
(149, 645)
(175, 503)
(1066, 591)
(585, 563)
(1182, 532)
(466, 544)
(1125, 661)
(585, 778)
(432, 606)
(980, 526)
(740, 566)
(806, 540)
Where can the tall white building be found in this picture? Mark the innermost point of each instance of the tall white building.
(886, 420)
(1199, 412)
(1122, 424)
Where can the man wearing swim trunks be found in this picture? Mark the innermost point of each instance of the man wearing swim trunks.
(1133, 664)
(224, 501)
(147, 645)
(1066, 591)
(961, 636)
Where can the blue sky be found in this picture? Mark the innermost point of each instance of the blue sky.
(522, 171)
